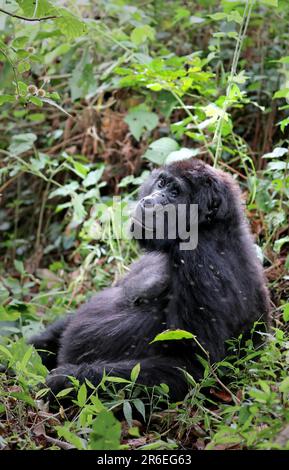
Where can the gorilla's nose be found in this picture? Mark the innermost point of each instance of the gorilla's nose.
(147, 201)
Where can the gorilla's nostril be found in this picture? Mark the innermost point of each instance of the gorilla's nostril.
(147, 202)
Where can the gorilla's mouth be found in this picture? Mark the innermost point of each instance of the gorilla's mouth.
(142, 215)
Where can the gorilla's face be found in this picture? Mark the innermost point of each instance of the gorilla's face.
(179, 197)
(158, 210)
(165, 189)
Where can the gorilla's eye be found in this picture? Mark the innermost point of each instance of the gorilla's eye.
(161, 183)
(175, 192)
(138, 301)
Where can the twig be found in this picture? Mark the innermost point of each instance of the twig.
(233, 170)
(7, 183)
(25, 18)
(62, 444)
(207, 354)
(232, 395)
(56, 147)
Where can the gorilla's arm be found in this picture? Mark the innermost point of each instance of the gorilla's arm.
(49, 341)
(153, 371)
(148, 277)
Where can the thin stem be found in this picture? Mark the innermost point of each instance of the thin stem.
(186, 109)
(41, 215)
(25, 18)
(236, 57)
(35, 9)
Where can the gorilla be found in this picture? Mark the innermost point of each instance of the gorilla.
(216, 291)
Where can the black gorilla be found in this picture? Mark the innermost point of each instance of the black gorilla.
(216, 291)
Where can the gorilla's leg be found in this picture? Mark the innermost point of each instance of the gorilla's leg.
(48, 342)
(153, 371)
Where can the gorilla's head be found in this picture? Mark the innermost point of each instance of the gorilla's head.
(181, 197)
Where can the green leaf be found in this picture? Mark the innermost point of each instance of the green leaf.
(23, 67)
(97, 405)
(35, 100)
(106, 431)
(5, 351)
(22, 396)
(258, 395)
(36, 117)
(118, 380)
(135, 373)
(196, 20)
(43, 8)
(218, 16)
(277, 152)
(279, 243)
(79, 211)
(80, 169)
(82, 395)
(127, 411)
(66, 190)
(285, 309)
(182, 154)
(284, 60)
(6, 99)
(284, 385)
(140, 407)
(26, 357)
(141, 34)
(139, 119)
(52, 103)
(70, 25)
(93, 177)
(70, 437)
(172, 335)
(284, 93)
(270, 3)
(130, 179)
(160, 149)
(19, 266)
(59, 51)
(7, 315)
(284, 123)
(64, 392)
(134, 431)
(20, 143)
(233, 16)
(165, 388)
(272, 166)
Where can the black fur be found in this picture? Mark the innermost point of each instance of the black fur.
(216, 291)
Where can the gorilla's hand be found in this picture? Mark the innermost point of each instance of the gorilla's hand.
(58, 379)
(148, 278)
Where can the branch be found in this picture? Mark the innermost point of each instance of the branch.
(25, 17)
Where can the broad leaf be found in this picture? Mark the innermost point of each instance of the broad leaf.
(182, 154)
(140, 119)
(105, 433)
(20, 143)
(172, 335)
(159, 150)
(141, 34)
